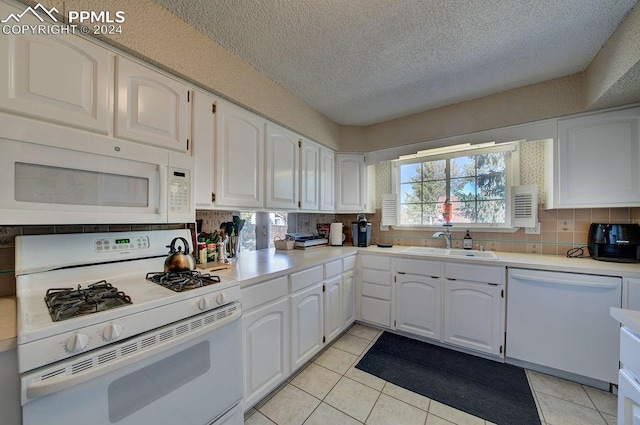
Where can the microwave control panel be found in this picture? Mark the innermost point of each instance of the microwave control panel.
(179, 190)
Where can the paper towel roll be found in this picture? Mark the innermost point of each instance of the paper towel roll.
(335, 234)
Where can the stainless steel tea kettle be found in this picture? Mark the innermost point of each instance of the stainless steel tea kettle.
(179, 261)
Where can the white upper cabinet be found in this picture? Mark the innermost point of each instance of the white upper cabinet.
(596, 161)
(239, 152)
(203, 138)
(326, 180)
(350, 183)
(282, 167)
(309, 175)
(61, 78)
(151, 108)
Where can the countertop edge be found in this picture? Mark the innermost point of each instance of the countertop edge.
(628, 318)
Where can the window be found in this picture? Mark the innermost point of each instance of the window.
(260, 228)
(476, 183)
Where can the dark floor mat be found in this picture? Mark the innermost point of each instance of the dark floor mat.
(496, 392)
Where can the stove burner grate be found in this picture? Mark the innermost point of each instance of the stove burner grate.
(65, 303)
(182, 281)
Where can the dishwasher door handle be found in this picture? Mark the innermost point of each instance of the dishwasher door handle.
(569, 282)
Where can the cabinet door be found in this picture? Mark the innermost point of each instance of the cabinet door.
(61, 78)
(474, 316)
(350, 183)
(204, 120)
(333, 313)
(348, 299)
(266, 349)
(419, 305)
(309, 175)
(306, 325)
(283, 150)
(239, 150)
(598, 160)
(151, 107)
(327, 176)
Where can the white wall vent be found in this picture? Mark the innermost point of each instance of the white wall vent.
(389, 209)
(524, 203)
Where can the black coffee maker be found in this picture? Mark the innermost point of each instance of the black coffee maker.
(361, 231)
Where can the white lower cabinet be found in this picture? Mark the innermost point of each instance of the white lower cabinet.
(375, 290)
(266, 349)
(307, 315)
(419, 305)
(348, 299)
(333, 319)
(474, 307)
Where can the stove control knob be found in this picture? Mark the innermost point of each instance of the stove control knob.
(112, 332)
(220, 299)
(77, 343)
(204, 304)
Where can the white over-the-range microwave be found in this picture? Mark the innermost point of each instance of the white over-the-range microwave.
(51, 174)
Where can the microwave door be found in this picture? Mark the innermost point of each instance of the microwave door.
(48, 185)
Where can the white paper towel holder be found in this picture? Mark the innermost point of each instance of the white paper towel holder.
(336, 237)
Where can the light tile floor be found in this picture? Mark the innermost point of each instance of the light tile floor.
(331, 391)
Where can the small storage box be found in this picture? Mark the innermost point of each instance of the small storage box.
(283, 244)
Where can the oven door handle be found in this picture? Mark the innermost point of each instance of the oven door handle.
(62, 382)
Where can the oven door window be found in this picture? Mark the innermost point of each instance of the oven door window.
(57, 185)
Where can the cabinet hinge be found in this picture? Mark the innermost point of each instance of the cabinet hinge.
(299, 143)
(188, 96)
(394, 323)
(213, 197)
(213, 108)
(501, 349)
(324, 339)
(394, 279)
(502, 293)
(299, 204)
(324, 288)
(187, 144)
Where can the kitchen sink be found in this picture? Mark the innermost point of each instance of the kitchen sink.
(456, 253)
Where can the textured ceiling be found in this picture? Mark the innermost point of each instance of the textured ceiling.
(362, 62)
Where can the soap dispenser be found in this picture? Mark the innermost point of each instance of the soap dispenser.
(467, 242)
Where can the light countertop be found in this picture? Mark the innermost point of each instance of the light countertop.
(257, 266)
(7, 323)
(628, 318)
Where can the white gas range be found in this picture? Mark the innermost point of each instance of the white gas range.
(156, 356)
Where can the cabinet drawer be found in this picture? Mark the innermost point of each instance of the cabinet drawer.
(630, 350)
(475, 272)
(376, 276)
(377, 291)
(375, 262)
(263, 292)
(421, 267)
(376, 311)
(332, 268)
(348, 263)
(306, 278)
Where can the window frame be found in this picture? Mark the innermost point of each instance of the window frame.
(512, 178)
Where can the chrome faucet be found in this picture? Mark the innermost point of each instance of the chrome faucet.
(447, 237)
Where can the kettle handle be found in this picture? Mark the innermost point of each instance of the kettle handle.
(172, 247)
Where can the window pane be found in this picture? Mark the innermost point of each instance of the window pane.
(432, 214)
(434, 190)
(463, 212)
(409, 173)
(411, 214)
(491, 186)
(410, 193)
(277, 226)
(248, 233)
(491, 211)
(463, 166)
(491, 163)
(463, 188)
(435, 170)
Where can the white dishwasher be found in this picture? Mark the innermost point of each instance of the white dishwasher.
(561, 321)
